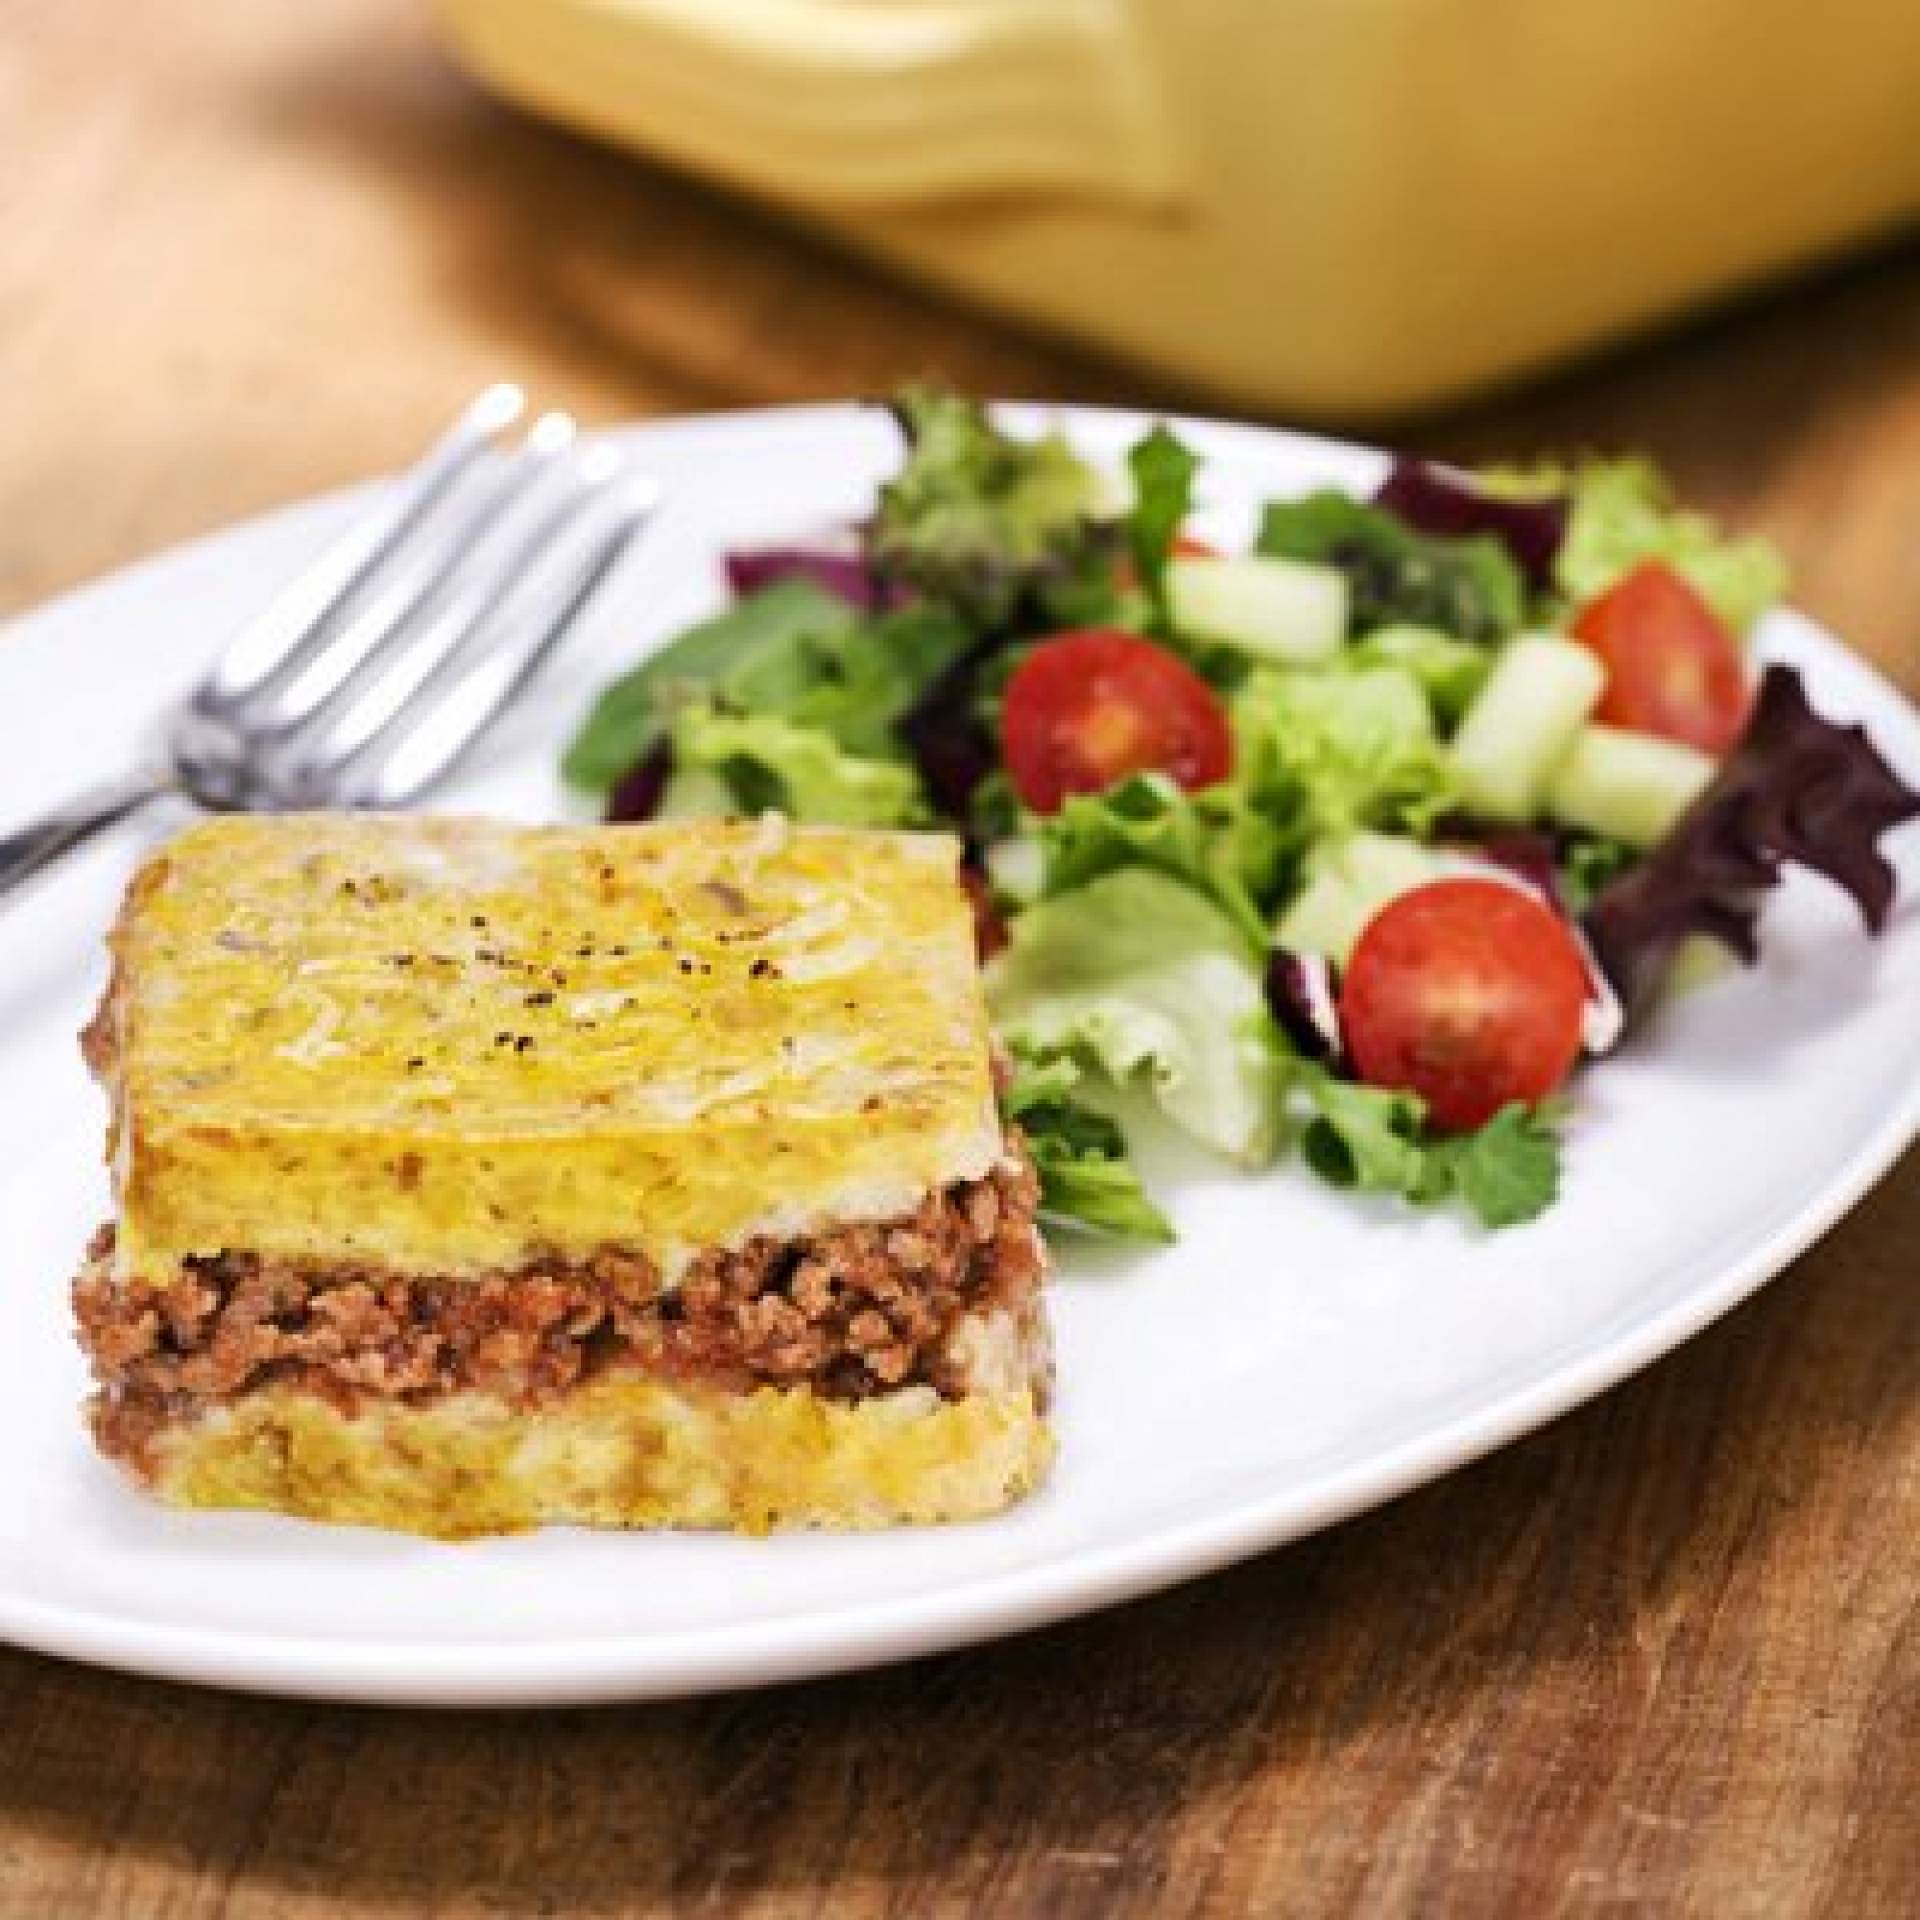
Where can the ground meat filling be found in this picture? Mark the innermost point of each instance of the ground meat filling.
(855, 1312)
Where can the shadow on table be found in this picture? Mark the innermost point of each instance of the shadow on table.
(1494, 1647)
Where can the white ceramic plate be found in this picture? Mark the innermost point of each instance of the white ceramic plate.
(1296, 1358)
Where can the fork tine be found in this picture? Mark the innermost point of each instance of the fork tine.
(316, 596)
(335, 656)
(421, 650)
(418, 751)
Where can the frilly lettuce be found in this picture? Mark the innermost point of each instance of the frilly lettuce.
(1470, 588)
(1216, 841)
(1334, 752)
(793, 650)
(764, 761)
(854, 684)
(1079, 1152)
(1163, 469)
(631, 717)
(1799, 790)
(1450, 672)
(1149, 981)
(1505, 1173)
(984, 524)
(1623, 513)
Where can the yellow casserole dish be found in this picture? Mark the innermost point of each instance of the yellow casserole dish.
(1328, 205)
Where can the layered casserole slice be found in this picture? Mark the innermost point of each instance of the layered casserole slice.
(472, 1177)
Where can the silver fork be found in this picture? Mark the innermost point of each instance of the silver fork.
(378, 668)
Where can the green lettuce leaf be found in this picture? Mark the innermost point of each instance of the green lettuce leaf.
(1376, 1140)
(1151, 982)
(1163, 470)
(792, 649)
(1363, 1137)
(1507, 1171)
(1623, 513)
(1086, 1179)
(855, 682)
(1327, 753)
(766, 761)
(631, 716)
(987, 525)
(1471, 588)
(1216, 840)
(1450, 672)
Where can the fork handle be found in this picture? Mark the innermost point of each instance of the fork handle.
(29, 849)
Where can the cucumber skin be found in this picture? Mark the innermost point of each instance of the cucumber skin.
(1628, 786)
(1541, 692)
(1282, 610)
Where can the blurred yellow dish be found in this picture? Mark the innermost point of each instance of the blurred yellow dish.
(1329, 205)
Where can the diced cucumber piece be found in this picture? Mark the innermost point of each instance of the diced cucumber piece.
(1348, 881)
(1629, 786)
(1017, 866)
(1521, 724)
(1286, 610)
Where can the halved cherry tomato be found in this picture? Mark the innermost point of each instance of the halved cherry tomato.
(1672, 666)
(1468, 993)
(1086, 709)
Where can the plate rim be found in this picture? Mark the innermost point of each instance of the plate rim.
(604, 1668)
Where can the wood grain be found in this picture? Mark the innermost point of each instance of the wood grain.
(1662, 1658)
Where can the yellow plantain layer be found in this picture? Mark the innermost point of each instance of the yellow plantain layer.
(445, 1046)
(617, 1453)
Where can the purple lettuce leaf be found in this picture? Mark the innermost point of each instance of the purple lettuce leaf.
(1301, 996)
(1799, 790)
(944, 733)
(1529, 855)
(1432, 498)
(838, 572)
(638, 792)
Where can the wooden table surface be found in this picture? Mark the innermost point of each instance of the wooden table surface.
(1664, 1657)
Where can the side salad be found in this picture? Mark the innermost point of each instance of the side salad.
(1364, 839)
